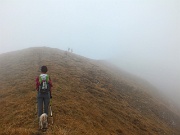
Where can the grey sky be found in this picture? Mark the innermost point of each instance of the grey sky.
(141, 36)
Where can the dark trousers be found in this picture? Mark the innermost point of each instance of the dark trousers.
(43, 103)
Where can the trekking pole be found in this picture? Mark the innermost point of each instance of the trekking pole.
(51, 110)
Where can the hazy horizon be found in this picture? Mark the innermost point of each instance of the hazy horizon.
(141, 37)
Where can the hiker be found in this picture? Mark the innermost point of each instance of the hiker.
(43, 87)
(68, 49)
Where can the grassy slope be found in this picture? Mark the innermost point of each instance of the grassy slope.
(88, 98)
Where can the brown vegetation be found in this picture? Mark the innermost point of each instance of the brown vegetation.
(88, 98)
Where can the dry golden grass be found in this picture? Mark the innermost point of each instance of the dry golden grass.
(88, 98)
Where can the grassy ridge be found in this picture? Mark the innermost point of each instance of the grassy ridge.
(88, 98)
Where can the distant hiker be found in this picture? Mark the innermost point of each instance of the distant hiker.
(43, 87)
(68, 49)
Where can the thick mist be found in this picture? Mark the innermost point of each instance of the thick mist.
(161, 71)
(142, 37)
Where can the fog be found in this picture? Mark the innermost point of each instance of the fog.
(140, 36)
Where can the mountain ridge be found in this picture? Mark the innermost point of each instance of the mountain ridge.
(88, 98)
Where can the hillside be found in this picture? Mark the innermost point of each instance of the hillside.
(89, 97)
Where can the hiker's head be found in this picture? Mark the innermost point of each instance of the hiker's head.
(44, 69)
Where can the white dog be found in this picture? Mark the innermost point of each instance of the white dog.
(43, 123)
